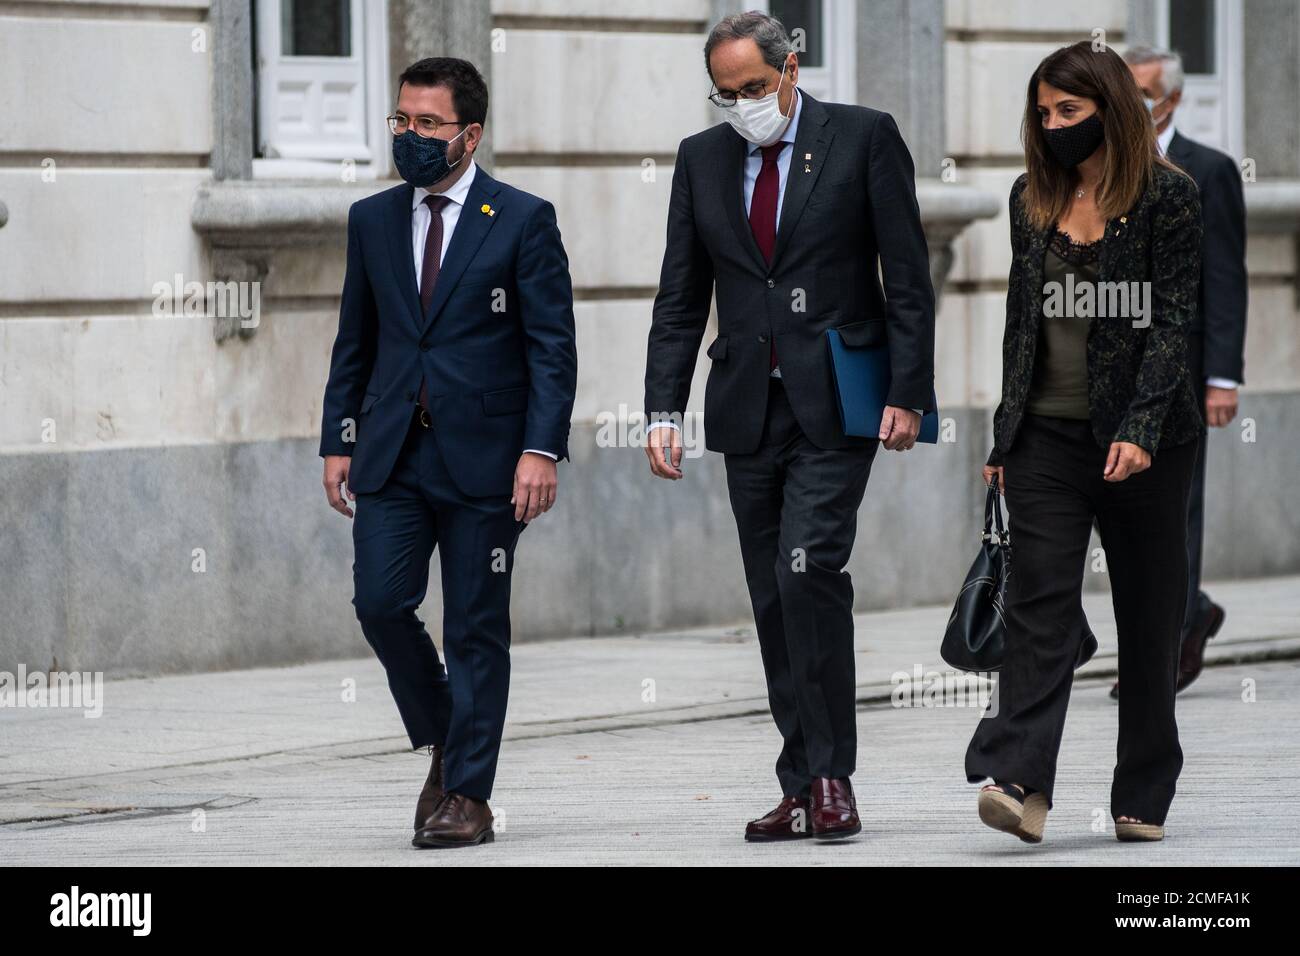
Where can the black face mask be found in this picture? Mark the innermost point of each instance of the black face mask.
(1071, 145)
(422, 160)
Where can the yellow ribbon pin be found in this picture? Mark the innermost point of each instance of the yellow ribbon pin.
(485, 208)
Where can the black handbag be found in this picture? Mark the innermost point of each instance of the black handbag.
(975, 639)
(976, 634)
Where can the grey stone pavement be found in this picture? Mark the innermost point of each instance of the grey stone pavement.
(281, 766)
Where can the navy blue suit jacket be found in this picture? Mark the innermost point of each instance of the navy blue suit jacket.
(496, 347)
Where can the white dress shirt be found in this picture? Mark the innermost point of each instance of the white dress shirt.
(754, 161)
(1163, 140)
(421, 216)
(754, 165)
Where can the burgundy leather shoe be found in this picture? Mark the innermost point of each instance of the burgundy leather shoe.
(458, 821)
(789, 821)
(834, 810)
(1192, 658)
(432, 793)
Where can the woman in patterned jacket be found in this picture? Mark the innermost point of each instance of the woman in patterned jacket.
(1097, 423)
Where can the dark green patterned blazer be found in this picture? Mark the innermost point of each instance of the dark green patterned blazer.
(1139, 386)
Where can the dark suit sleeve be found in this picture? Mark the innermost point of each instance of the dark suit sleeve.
(1223, 271)
(1015, 283)
(681, 307)
(546, 311)
(354, 351)
(905, 266)
(1175, 289)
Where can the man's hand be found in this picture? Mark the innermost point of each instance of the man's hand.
(335, 481)
(657, 439)
(992, 472)
(535, 485)
(1220, 406)
(1125, 459)
(899, 428)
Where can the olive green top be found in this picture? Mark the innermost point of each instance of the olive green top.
(1060, 383)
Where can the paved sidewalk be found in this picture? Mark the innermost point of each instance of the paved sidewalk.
(647, 749)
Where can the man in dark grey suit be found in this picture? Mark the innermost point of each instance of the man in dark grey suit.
(1217, 342)
(789, 211)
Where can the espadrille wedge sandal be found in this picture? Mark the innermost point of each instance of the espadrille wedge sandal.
(1004, 807)
(1134, 831)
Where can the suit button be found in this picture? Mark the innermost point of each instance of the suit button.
(771, 283)
(424, 346)
(762, 340)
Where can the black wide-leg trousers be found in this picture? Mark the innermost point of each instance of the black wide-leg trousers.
(1054, 491)
(796, 508)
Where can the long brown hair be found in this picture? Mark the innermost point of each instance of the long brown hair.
(1131, 153)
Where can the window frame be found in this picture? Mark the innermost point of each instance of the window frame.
(837, 80)
(1226, 85)
(369, 57)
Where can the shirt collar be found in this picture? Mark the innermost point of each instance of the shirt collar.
(1164, 139)
(457, 193)
(791, 128)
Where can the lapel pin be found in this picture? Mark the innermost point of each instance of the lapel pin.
(807, 155)
(487, 210)
(807, 168)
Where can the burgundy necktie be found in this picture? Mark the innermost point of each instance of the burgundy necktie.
(429, 267)
(762, 209)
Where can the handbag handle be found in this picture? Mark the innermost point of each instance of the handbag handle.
(993, 527)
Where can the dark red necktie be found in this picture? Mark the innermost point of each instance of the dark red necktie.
(762, 209)
(429, 267)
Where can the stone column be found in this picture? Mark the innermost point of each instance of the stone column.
(461, 28)
(725, 8)
(1141, 30)
(231, 36)
(900, 71)
(1272, 101)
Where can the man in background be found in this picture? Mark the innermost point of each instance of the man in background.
(1217, 342)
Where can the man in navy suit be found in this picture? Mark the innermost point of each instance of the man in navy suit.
(450, 391)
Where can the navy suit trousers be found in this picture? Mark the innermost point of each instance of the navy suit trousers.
(461, 707)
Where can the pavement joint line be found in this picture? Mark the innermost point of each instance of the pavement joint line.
(1229, 654)
(111, 814)
(738, 707)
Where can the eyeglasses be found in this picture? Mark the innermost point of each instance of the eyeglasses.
(753, 91)
(425, 126)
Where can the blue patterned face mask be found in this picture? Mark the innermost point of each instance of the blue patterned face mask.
(422, 160)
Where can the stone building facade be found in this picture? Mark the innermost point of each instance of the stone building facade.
(162, 507)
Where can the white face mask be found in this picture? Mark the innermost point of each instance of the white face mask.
(759, 121)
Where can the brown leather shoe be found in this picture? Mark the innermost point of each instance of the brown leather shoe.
(834, 810)
(458, 821)
(789, 821)
(432, 793)
(1192, 658)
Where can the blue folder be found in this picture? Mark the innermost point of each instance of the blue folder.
(862, 381)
